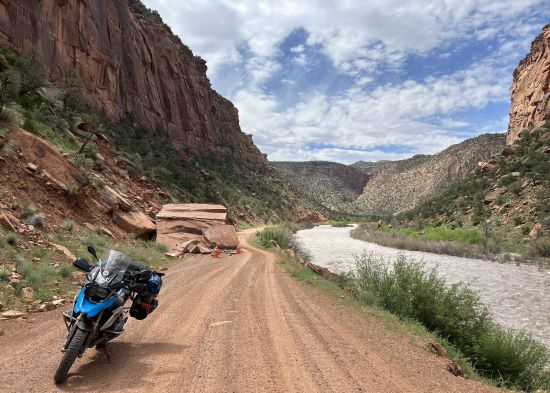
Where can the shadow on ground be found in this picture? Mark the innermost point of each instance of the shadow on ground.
(94, 372)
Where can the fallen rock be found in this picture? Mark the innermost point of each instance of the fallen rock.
(179, 223)
(490, 197)
(120, 199)
(27, 293)
(46, 307)
(203, 249)
(222, 236)
(101, 229)
(438, 349)
(12, 314)
(137, 223)
(55, 167)
(8, 220)
(59, 302)
(487, 167)
(70, 256)
(322, 271)
(455, 369)
(535, 231)
(193, 249)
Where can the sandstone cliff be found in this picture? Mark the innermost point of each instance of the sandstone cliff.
(131, 64)
(530, 88)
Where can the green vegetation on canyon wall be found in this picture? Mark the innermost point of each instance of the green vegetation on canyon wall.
(507, 198)
(253, 194)
(366, 189)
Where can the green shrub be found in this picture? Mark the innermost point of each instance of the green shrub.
(68, 225)
(514, 359)
(65, 270)
(518, 220)
(281, 234)
(37, 276)
(10, 83)
(11, 238)
(10, 115)
(456, 314)
(515, 187)
(28, 209)
(5, 274)
(72, 191)
(541, 247)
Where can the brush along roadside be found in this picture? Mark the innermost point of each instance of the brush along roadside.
(444, 316)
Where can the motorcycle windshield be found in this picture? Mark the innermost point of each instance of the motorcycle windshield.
(112, 266)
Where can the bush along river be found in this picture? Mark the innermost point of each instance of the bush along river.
(517, 295)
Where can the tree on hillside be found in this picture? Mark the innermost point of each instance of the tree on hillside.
(10, 83)
(33, 75)
(72, 91)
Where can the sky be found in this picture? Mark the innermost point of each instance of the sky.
(354, 80)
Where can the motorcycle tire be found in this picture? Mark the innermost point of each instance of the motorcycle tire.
(70, 355)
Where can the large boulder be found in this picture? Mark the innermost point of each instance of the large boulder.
(137, 223)
(222, 236)
(53, 165)
(180, 223)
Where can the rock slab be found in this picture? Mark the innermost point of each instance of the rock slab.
(221, 236)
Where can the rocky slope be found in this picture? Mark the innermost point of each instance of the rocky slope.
(396, 186)
(150, 95)
(335, 186)
(131, 63)
(511, 191)
(530, 96)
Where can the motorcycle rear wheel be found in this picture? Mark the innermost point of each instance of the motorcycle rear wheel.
(70, 355)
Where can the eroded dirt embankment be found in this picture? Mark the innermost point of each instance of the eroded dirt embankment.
(235, 324)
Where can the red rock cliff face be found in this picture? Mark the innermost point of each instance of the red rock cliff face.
(130, 65)
(530, 88)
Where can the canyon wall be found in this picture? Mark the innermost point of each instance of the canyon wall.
(530, 88)
(131, 64)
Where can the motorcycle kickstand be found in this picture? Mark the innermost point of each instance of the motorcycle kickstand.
(106, 353)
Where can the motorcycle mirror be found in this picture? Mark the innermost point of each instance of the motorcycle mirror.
(82, 265)
(91, 250)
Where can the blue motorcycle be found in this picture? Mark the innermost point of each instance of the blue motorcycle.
(99, 312)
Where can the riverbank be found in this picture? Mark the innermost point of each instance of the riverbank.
(518, 295)
(499, 351)
(468, 242)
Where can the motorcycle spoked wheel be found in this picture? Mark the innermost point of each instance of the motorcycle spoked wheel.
(70, 355)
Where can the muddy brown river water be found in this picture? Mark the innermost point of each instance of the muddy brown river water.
(517, 295)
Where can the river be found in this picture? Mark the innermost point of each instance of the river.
(517, 295)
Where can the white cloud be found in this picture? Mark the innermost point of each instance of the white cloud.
(361, 39)
(355, 121)
(373, 31)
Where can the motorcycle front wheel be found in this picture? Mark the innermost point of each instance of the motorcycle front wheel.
(70, 355)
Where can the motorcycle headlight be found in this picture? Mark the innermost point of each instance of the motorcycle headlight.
(96, 292)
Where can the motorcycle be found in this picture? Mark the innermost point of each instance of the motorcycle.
(99, 312)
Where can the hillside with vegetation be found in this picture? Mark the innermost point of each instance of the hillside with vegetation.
(395, 186)
(507, 198)
(332, 185)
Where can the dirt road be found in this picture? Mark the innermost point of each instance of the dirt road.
(235, 324)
